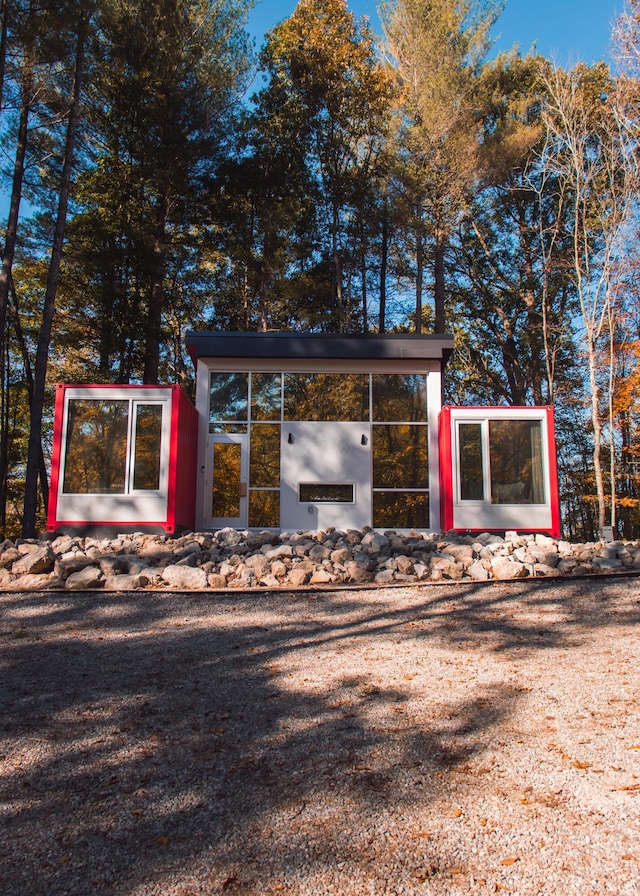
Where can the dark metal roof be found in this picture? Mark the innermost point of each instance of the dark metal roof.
(326, 346)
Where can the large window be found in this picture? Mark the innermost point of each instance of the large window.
(500, 462)
(400, 451)
(326, 396)
(113, 447)
(264, 476)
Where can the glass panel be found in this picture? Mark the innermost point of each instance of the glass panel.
(220, 428)
(515, 450)
(400, 456)
(326, 396)
(229, 396)
(146, 469)
(264, 509)
(264, 467)
(323, 493)
(266, 396)
(96, 450)
(225, 498)
(400, 397)
(470, 460)
(401, 510)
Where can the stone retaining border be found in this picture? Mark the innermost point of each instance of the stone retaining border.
(232, 559)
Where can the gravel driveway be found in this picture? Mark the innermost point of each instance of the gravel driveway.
(447, 739)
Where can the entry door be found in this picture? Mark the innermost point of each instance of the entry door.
(226, 482)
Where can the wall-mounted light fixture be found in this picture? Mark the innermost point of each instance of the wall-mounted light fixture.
(364, 440)
(290, 439)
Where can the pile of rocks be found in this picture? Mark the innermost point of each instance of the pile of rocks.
(238, 559)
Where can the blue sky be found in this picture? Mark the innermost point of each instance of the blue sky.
(566, 30)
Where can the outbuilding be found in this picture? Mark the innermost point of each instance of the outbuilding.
(302, 431)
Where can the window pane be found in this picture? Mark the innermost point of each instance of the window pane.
(401, 510)
(323, 493)
(400, 398)
(471, 476)
(225, 497)
(326, 396)
(266, 396)
(515, 450)
(221, 428)
(264, 466)
(146, 469)
(96, 449)
(264, 509)
(400, 456)
(229, 396)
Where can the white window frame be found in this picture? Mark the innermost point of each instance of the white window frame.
(134, 400)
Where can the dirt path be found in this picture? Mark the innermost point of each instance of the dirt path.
(454, 739)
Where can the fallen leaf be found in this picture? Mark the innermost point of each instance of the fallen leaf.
(457, 813)
(629, 858)
(510, 861)
(579, 764)
(483, 822)
(163, 840)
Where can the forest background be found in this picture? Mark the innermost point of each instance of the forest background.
(165, 176)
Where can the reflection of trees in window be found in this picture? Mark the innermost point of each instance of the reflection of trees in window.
(326, 396)
(401, 510)
(264, 509)
(471, 462)
(515, 450)
(225, 497)
(400, 456)
(264, 465)
(229, 396)
(266, 396)
(96, 448)
(400, 397)
(146, 469)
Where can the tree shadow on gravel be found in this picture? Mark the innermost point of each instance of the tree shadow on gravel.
(172, 742)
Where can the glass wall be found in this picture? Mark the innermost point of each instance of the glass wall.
(392, 406)
(400, 451)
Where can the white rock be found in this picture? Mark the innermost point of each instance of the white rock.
(503, 568)
(187, 578)
(85, 579)
(478, 572)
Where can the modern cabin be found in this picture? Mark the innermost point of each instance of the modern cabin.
(303, 431)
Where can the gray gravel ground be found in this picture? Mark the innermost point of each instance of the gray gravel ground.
(449, 739)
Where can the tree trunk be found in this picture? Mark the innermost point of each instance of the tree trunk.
(156, 303)
(8, 256)
(384, 261)
(419, 274)
(337, 271)
(28, 375)
(438, 289)
(4, 27)
(44, 337)
(363, 279)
